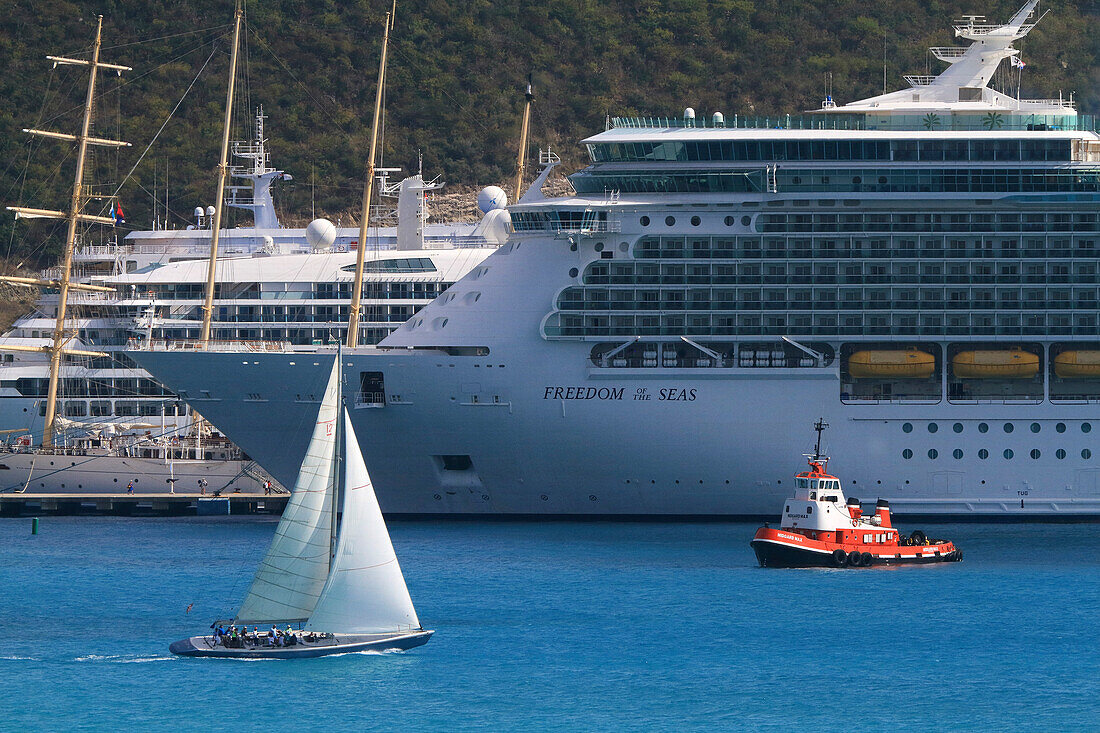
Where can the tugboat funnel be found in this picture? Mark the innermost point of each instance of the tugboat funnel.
(882, 512)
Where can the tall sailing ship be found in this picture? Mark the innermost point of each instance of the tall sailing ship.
(919, 267)
(113, 421)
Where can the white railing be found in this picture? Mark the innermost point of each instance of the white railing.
(918, 80)
(253, 346)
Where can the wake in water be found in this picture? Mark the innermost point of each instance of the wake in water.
(123, 658)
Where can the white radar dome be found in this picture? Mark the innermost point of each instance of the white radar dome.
(495, 226)
(320, 233)
(491, 198)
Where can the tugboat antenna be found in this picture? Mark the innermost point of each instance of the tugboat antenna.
(819, 426)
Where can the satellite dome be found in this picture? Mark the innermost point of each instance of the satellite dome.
(491, 198)
(210, 210)
(320, 233)
(496, 226)
(200, 212)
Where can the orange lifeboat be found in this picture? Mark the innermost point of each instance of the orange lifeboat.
(910, 363)
(1077, 364)
(1012, 363)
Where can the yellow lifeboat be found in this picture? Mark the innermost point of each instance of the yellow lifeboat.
(1077, 364)
(996, 364)
(910, 363)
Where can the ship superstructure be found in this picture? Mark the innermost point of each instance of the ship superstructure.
(919, 267)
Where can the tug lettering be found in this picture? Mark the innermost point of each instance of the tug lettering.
(583, 393)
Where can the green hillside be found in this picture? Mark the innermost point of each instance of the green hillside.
(454, 82)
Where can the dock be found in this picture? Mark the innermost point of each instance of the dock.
(166, 505)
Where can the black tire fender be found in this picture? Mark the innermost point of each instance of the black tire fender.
(866, 559)
(854, 559)
(840, 558)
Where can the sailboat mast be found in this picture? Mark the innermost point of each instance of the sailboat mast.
(223, 170)
(338, 454)
(368, 192)
(70, 243)
(521, 160)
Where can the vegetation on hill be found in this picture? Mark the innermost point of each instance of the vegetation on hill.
(454, 85)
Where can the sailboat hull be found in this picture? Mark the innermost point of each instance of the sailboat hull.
(204, 646)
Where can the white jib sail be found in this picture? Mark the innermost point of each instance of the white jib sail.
(366, 591)
(293, 572)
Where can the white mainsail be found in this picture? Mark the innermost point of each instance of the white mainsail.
(293, 572)
(366, 591)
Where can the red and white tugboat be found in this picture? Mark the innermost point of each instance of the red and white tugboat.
(821, 529)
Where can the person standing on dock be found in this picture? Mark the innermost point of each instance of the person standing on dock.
(130, 487)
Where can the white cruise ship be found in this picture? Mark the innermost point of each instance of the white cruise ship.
(918, 268)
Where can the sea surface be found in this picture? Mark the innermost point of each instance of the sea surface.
(562, 626)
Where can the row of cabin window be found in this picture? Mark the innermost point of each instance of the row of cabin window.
(823, 325)
(802, 150)
(1009, 454)
(594, 182)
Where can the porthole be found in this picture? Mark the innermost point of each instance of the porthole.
(1060, 453)
(1086, 454)
(1035, 453)
(644, 221)
(729, 221)
(624, 247)
(1008, 453)
(983, 454)
(573, 272)
(983, 427)
(573, 247)
(670, 220)
(745, 221)
(933, 427)
(599, 246)
(957, 453)
(957, 427)
(882, 179)
(933, 453)
(907, 427)
(1060, 427)
(907, 454)
(857, 180)
(1086, 427)
(696, 221)
(1036, 427)
(1009, 427)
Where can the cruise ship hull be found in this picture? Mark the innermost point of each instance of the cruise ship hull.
(515, 435)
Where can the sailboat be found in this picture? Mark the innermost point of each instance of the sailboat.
(337, 580)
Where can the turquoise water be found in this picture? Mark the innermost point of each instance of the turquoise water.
(562, 626)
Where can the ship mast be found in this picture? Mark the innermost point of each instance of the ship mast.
(223, 169)
(521, 160)
(73, 217)
(368, 192)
